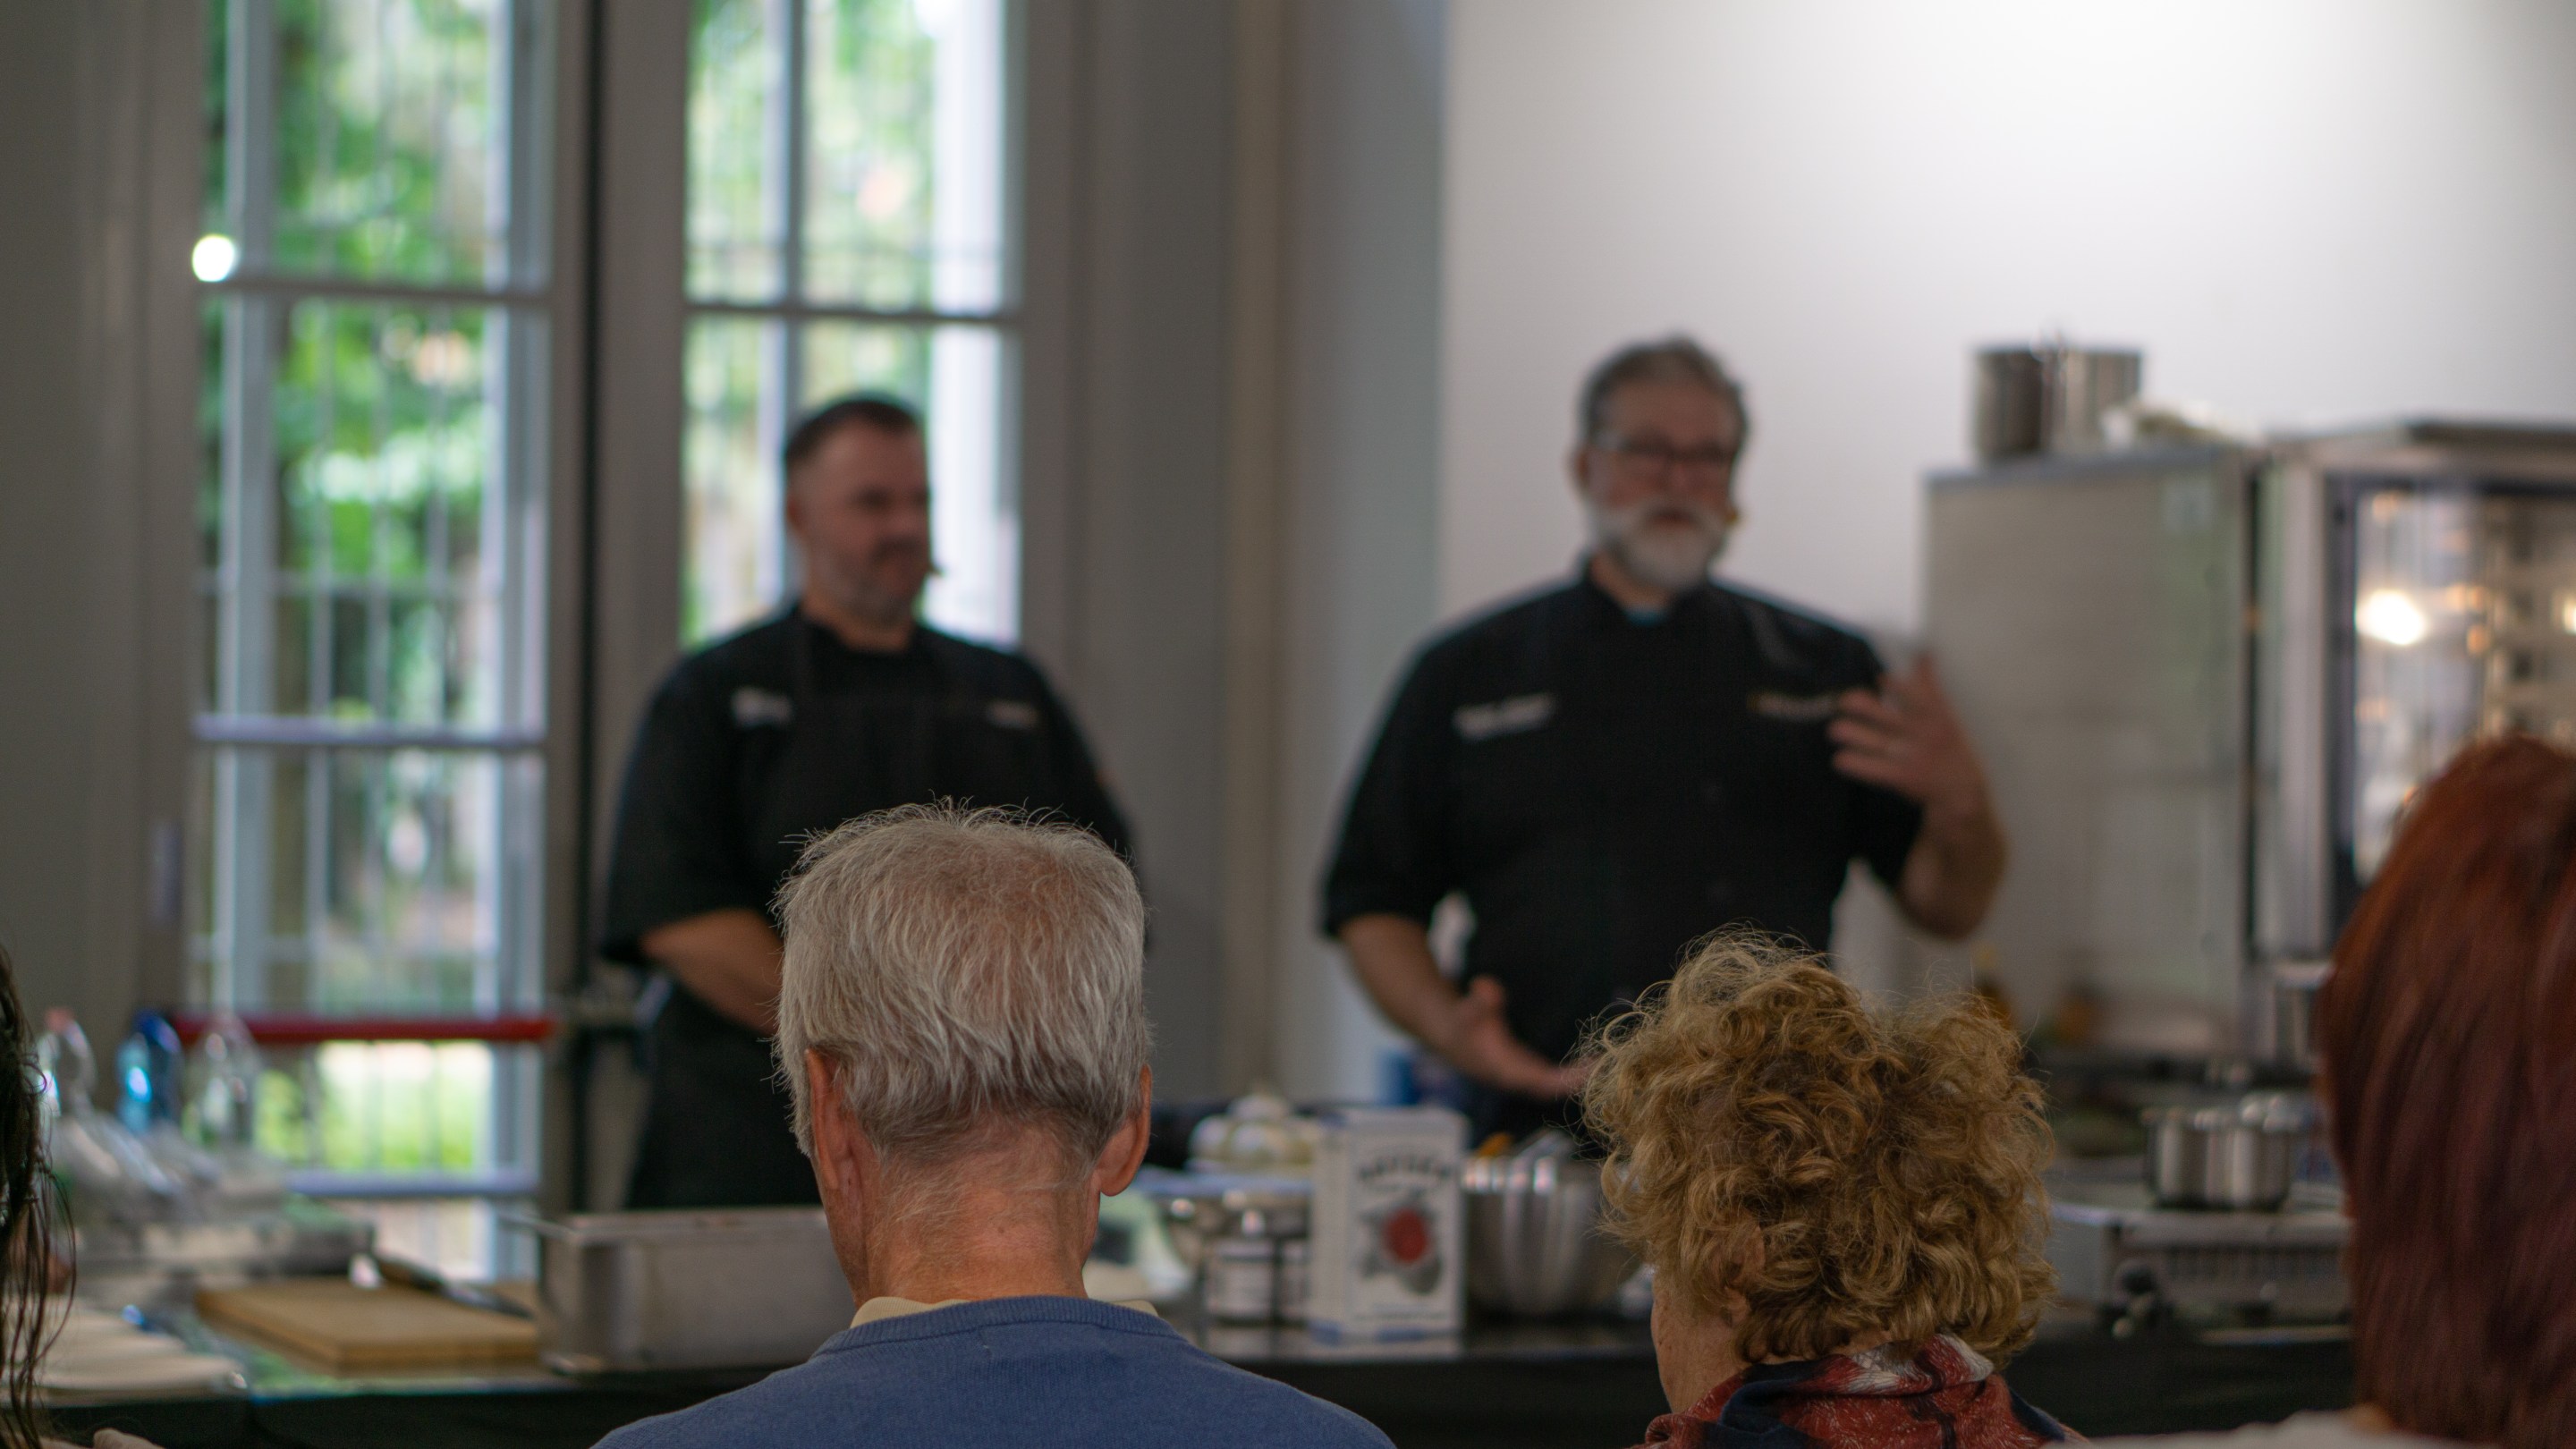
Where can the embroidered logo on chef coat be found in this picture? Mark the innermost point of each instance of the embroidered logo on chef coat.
(756, 708)
(1504, 716)
(1794, 708)
(753, 708)
(1012, 714)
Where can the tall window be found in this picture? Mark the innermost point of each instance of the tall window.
(849, 228)
(373, 526)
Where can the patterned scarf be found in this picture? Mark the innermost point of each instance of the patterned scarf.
(1945, 1397)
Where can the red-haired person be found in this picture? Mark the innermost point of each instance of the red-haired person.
(2448, 1033)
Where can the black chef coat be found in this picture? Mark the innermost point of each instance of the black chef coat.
(750, 746)
(1603, 789)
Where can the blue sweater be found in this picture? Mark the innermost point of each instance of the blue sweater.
(1064, 1372)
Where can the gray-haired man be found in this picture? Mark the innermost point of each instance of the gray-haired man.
(963, 1028)
(1611, 769)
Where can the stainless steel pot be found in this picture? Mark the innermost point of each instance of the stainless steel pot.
(2051, 398)
(1535, 1247)
(2240, 1155)
(2010, 382)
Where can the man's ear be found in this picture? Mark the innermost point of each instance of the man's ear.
(1125, 1151)
(1578, 469)
(794, 499)
(839, 1151)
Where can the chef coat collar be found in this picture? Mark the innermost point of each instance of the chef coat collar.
(1686, 600)
(816, 631)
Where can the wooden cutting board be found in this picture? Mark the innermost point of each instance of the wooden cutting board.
(344, 1328)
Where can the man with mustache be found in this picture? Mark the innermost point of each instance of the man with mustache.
(843, 705)
(1612, 768)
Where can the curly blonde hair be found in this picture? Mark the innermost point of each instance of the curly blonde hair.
(1824, 1174)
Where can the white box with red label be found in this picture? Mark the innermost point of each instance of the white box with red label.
(1390, 1250)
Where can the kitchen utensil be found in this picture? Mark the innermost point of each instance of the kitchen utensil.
(2083, 384)
(2049, 399)
(1534, 1242)
(430, 1280)
(2132, 1262)
(747, 1288)
(2010, 381)
(1241, 1273)
(1200, 1208)
(2294, 1011)
(1258, 1134)
(2242, 1155)
(343, 1328)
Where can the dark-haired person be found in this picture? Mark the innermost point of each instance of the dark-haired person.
(1843, 1209)
(842, 705)
(25, 1258)
(2448, 1036)
(1614, 767)
(26, 1253)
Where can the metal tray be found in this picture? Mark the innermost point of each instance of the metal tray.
(743, 1288)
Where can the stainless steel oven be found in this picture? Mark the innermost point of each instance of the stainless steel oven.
(2206, 681)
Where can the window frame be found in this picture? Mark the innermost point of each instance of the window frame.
(789, 312)
(533, 299)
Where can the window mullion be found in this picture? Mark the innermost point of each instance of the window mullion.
(245, 779)
(317, 396)
(250, 135)
(519, 173)
(787, 143)
(784, 396)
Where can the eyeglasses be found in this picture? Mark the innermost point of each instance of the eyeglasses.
(1647, 458)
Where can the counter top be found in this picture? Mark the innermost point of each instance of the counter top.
(1499, 1384)
(273, 1376)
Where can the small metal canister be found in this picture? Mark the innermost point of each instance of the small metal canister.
(1244, 1278)
(1296, 1278)
(1241, 1280)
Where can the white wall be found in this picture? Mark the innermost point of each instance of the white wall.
(1362, 463)
(2306, 211)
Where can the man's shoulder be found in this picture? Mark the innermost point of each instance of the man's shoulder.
(1531, 611)
(987, 667)
(1520, 628)
(755, 656)
(1084, 1373)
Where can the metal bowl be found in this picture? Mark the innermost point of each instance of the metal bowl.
(1200, 1207)
(1535, 1248)
(2241, 1156)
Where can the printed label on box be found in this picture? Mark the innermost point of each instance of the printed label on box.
(1389, 1250)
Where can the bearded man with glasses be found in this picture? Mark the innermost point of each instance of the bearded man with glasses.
(1610, 769)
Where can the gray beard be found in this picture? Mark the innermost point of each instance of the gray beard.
(1672, 561)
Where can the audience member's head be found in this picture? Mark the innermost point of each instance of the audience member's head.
(2448, 1034)
(1812, 1180)
(963, 1029)
(962, 1026)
